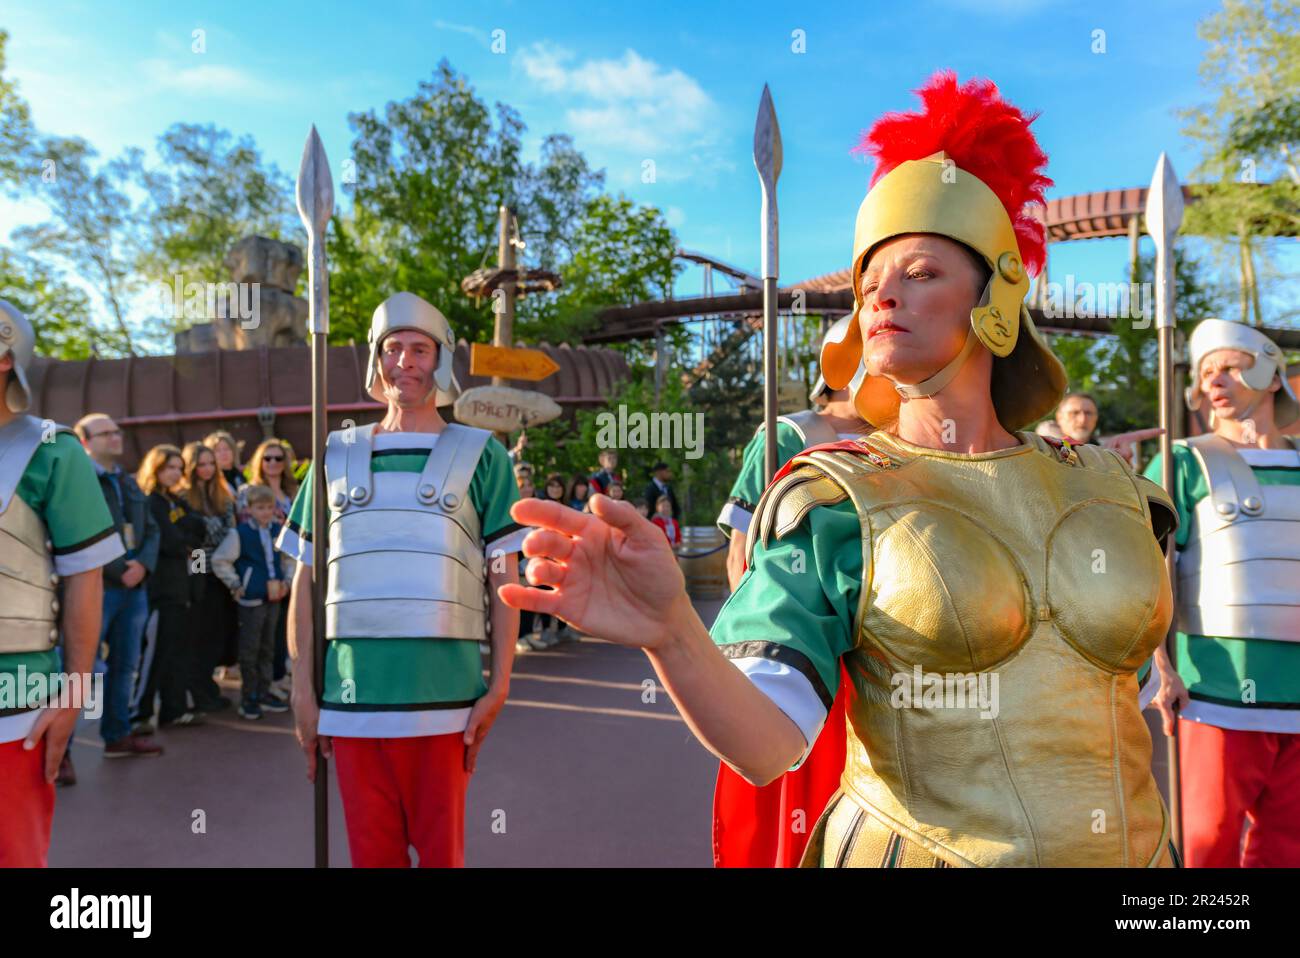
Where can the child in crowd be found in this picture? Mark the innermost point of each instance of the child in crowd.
(579, 492)
(642, 509)
(249, 565)
(663, 518)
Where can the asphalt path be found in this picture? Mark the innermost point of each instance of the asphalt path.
(589, 764)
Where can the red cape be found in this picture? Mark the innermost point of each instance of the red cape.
(768, 827)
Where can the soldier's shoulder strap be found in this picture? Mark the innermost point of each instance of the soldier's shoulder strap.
(449, 470)
(1229, 476)
(820, 476)
(19, 440)
(348, 478)
(811, 426)
(1160, 511)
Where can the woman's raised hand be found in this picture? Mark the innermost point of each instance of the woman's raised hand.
(610, 573)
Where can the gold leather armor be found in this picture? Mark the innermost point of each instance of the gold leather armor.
(1037, 564)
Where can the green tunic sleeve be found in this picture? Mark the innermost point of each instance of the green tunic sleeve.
(797, 603)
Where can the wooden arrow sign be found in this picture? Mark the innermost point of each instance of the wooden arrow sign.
(510, 362)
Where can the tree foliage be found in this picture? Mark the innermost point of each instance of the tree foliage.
(1249, 178)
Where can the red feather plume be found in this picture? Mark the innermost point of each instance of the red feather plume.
(984, 135)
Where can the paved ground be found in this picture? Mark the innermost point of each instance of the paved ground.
(583, 770)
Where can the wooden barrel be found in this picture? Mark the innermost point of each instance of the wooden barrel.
(703, 560)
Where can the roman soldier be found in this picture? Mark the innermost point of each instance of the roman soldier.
(58, 534)
(419, 528)
(833, 417)
(1237, 684)
(989, 595)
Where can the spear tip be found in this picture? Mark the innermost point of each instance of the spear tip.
(767, 139)
(1164, 208)
(315, 187)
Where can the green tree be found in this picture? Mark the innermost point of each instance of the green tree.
(1248, 134)
(59, 313)
(1120, 369)
(16, 131)
(92, 229)
(207, 192)
(430, 176)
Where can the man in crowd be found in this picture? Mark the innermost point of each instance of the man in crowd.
(1237, 684)
(660, 484)
(833, 417)
(420, 539)
(126, 601)
(59, 534)
(1076, 420)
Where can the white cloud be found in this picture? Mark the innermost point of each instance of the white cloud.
(630, 106)
(476, 32)
(675, 216)
(212, 79)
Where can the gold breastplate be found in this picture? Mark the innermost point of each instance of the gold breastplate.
(1008, 600)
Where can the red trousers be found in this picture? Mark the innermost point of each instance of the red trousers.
(399, 792)
(1230, 776)
(26, 806)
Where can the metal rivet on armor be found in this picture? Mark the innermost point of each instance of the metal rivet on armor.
(6, 331)
(1010, 268)
(54, 578)
(49, 546)
(339, 500)
(1252, 504)
(1270, 348)
(427, 491)
(358, 493)
(54, 635)
(451, 500)
(54, 606)
(1227, 509)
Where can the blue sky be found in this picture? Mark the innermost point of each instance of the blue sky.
(670, 81)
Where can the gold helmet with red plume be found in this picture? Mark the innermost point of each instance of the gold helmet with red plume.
(966, 166)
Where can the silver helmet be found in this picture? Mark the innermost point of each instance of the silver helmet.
(408, 311)
(1214, 334)
(834, 335)
(19, 340)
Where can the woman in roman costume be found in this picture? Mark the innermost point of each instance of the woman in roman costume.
(945, 550)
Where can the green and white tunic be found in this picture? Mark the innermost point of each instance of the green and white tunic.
(408, 685)
(794, 434)
(59, 485)
(1250, 684)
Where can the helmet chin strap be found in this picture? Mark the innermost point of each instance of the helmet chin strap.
(928, 387)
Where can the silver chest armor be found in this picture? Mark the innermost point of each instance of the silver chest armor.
(29, 605)
(810, 425)
(405, 554)
(1239, 576)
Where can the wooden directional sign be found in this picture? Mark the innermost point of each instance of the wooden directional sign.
(503, 409)
(510, 362)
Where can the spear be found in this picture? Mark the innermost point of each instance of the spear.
(315, 193)
(767, 160)
(1164, 215)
